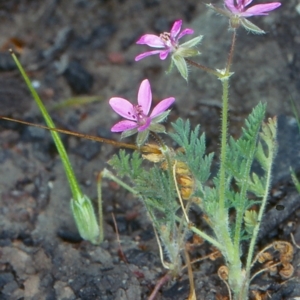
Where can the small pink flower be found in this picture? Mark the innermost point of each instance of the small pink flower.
(238, 7)
(167, 41)
(237, 13)
(138, 118)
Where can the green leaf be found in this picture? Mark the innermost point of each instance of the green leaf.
(194, 147)
(250, 219)
(192, 43)
(249, 26)
(181, 65)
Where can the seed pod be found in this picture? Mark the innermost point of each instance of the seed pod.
(265, 256)
(271, 267)
(287, 271)
(223, 273)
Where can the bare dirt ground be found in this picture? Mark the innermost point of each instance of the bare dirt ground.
(87, 48)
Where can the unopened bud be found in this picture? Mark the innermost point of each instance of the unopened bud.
(85, 219)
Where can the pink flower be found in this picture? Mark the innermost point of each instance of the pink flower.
(167, 41)
(237, 13)
(238, 7)
(138, 118)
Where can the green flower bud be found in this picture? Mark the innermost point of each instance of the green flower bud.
(85, 219)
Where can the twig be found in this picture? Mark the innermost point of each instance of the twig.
(118, 239)
(158, 285)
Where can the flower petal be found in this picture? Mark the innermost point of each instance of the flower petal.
(123, 126)
(151, 40)
(230, 4)
(260, 9)
(145, 96)
(164, 54)
(162, 106)
(122, 107)
(246, 2)
(145, 54)
(175, 29)
(185, 32)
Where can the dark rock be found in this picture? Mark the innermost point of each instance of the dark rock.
(89, 292)
(161, 25)
(127, 42)
(288, 290)
(102, 34)
(9, 289)
(147, 235)
(6, 62)
(140, 258)
(274, 217)
(47, 280)
(31, 134)
(88, 149)
(26, 239)
(288, 137)
(104, 132)
(150, 3)
(61, 41)
(77, 283)
(80, 80)
(15, 97)
(69, 236)
(50, 294)
(5, 278)
(179, 290)
(4, 154)
(125, 225)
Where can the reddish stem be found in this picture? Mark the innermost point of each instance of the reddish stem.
(158, 285)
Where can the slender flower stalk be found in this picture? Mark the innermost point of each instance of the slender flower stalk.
(81, 205)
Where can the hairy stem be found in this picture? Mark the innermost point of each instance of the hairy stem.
(206, 69)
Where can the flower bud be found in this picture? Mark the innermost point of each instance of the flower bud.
(85, 219)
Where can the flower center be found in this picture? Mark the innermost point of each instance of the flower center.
(168, 41)
(141, 118)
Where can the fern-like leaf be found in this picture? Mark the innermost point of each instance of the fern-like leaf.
(194, 149)
(127, 165)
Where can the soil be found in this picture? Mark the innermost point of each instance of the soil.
(81, 48)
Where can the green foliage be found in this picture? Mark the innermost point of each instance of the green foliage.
(295, 180)
(82, 208)
(241, 152)
(250, 219)
(156, 187)
(194, 149)
(157, 191)
(127, 165)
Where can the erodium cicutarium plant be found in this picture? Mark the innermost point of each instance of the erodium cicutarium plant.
(178, 178)
(170, 181)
